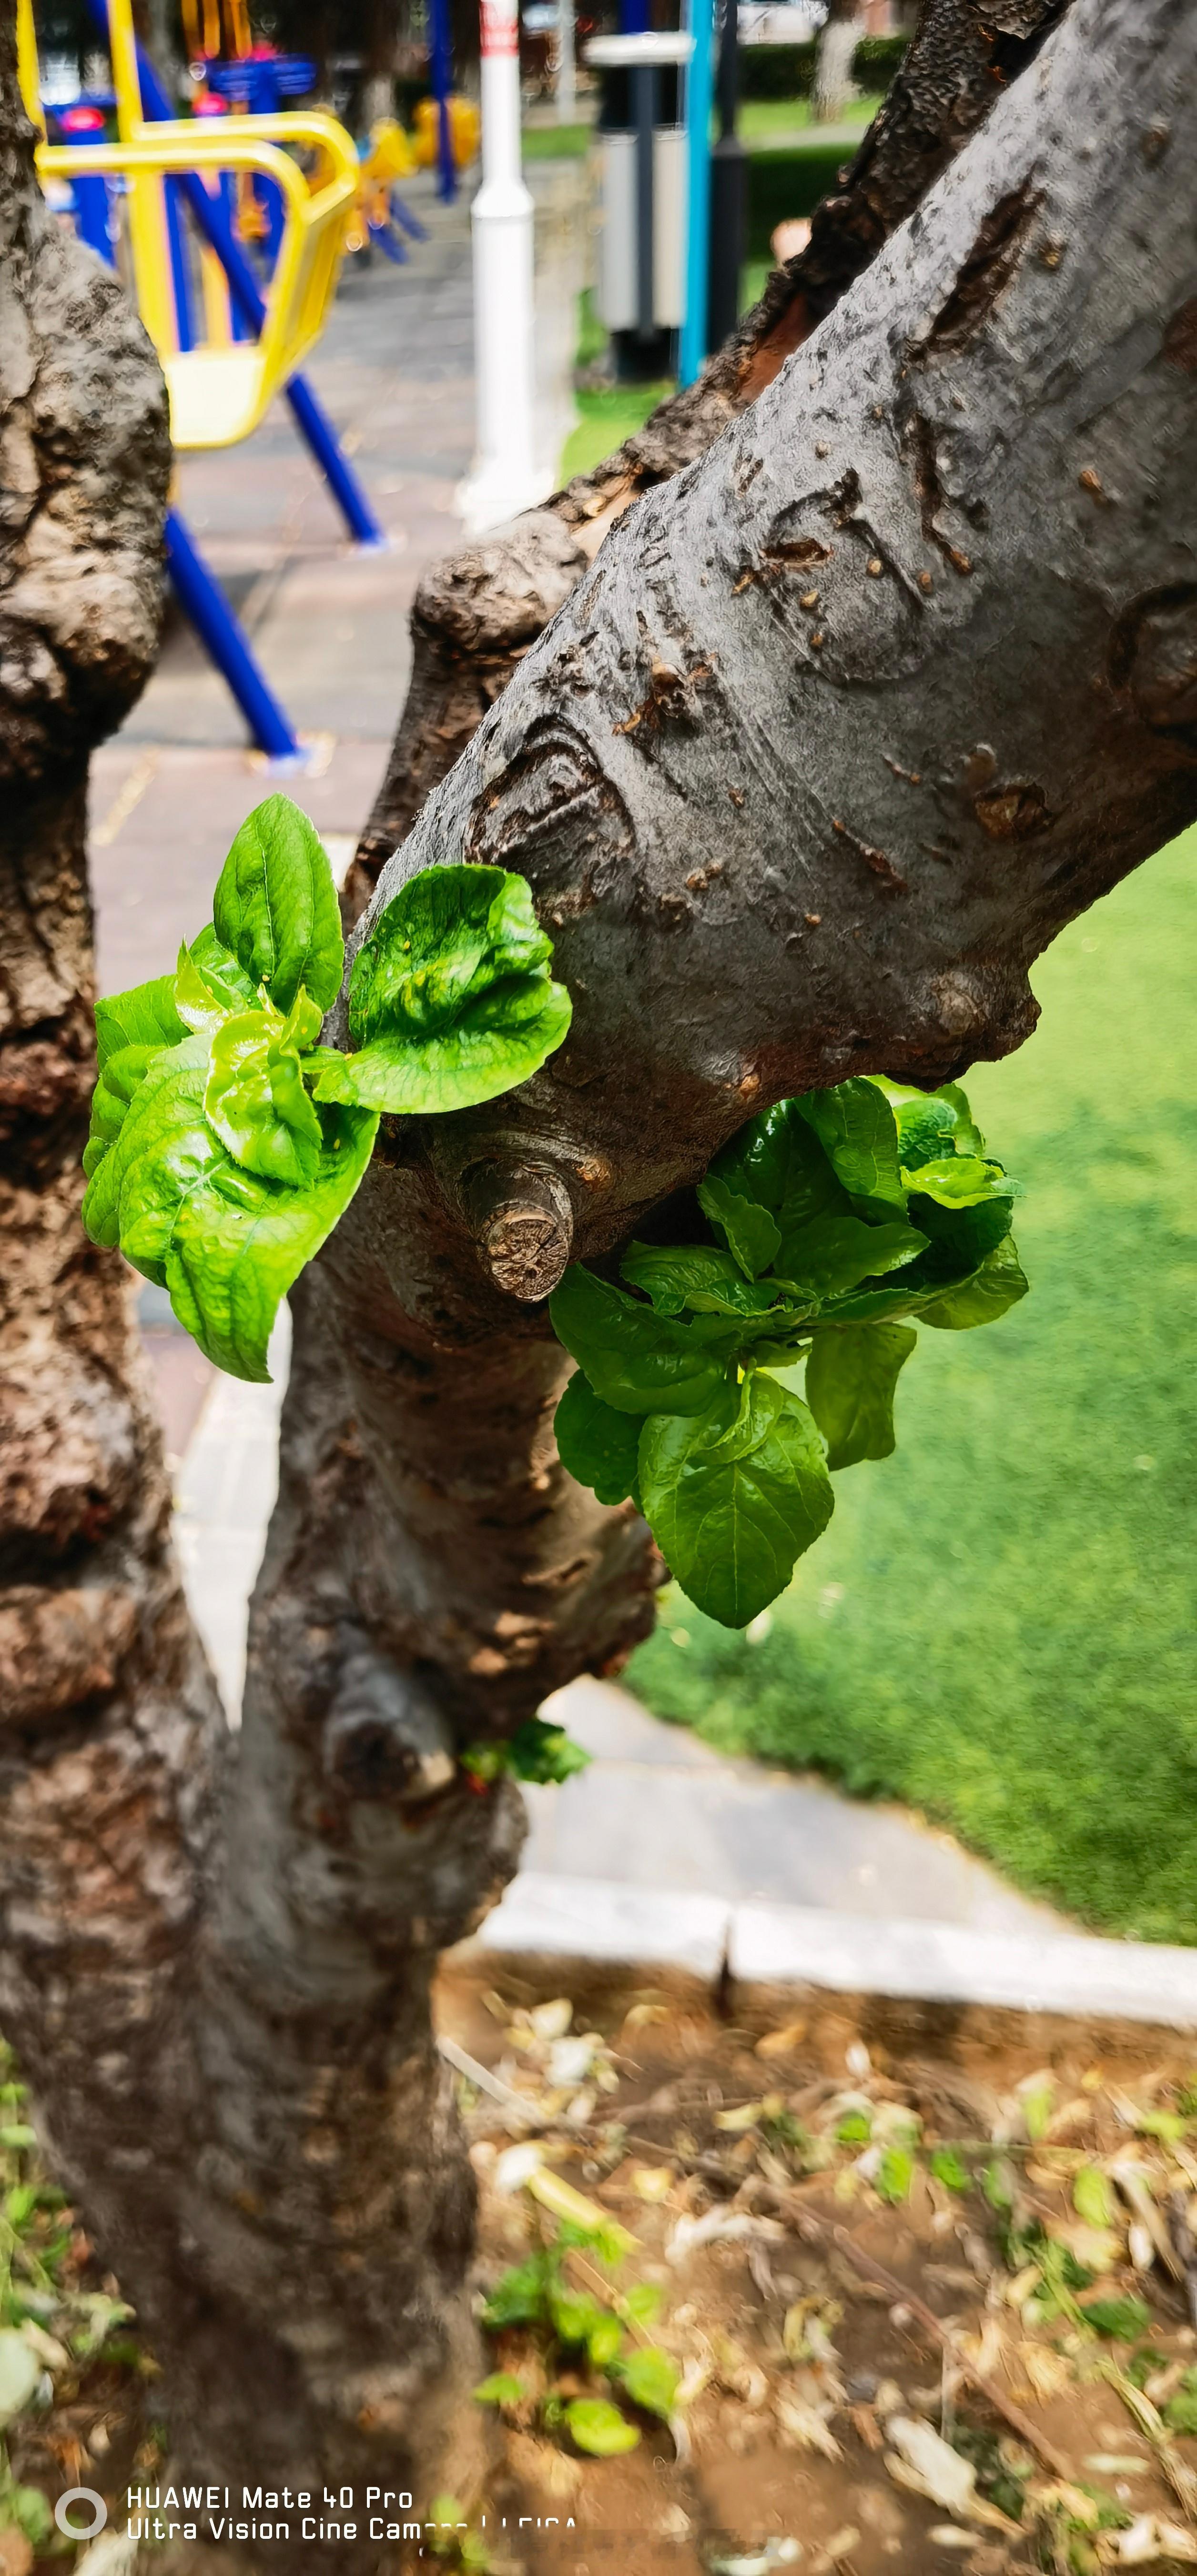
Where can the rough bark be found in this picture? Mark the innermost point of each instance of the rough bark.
(839, 730)
(109, 1721)
(478, 612)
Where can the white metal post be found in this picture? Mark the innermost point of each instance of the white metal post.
(505, 478)
(567, 90)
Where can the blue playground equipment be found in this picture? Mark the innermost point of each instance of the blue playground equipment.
(226, 349)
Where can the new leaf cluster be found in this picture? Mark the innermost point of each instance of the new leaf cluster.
(575, 2331)
(225, 1140)
(830, 1221)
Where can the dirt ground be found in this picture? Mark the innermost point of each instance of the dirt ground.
(858, 2304)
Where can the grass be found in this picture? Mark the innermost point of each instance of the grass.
(606, 419)
(782, 120)
(557, 142)
(999, 1625)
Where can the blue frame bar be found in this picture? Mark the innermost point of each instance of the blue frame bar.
(440, 66)
(692, 347)
(221, 632)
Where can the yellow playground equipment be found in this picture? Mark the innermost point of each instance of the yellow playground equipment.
(390, 157)
(465, 128)
(220, 388)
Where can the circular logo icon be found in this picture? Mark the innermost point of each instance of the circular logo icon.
(81, 2496)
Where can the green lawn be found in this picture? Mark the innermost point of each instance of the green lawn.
(999, 1625)
(606, 419)
(780, 120)
(556, 142)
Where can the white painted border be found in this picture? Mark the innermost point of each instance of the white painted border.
(801, 1946)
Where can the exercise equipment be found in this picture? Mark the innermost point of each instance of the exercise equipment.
(219, 388)
(253, 332)
(381, 217)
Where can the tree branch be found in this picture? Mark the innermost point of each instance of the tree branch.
(476, 613)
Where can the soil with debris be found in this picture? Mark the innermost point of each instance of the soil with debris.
(919, 2318)
(753, 2298)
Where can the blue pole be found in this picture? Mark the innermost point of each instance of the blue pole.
(311, 419)
(699, 91)
(219, 630)
(440, 66)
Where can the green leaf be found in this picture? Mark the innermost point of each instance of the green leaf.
(850, 1379)
(950, 2169)
(501, 2389)
(573, 2314)
(1092, 2198)
(636, 1361)
(963, 1180)
(604, 2339)
(32, 2515)
(165, 1148)
(735, 1496)
(994, 1288)
(697, 1276)
(599, 2428)
(1119, 2320)
(255, 1099)
(930, 1122)
(20, 2371)
(544, 1753)
(855, 2129)
(520, 2297)
(240, 1242)
(450, 997)
(643, 2302)
(124, 1072)
(998, 2185)
(209, 983)
(276, 906)
(144, 1016)
(597, 1445)
(959, 1238)
(895, 2174)
(650, 2379)
(777, 1162)
(856, 1127)
(747, 1229)
(838, 1252)
(1180, 2410)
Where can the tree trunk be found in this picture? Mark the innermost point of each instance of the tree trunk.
(110, 1726)
(834, 87)
(835, 734)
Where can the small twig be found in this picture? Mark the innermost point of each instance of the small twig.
(463, 2064)
(943, 2336)
(1186, 2251)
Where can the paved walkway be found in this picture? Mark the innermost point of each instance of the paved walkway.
(657, 1809)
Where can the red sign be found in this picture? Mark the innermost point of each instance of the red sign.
(500, 27)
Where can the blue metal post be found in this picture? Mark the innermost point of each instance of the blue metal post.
(220, 630)
(92, 220)
(693, 343)
(440, 66)
(310, 417)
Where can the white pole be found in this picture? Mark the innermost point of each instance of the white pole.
(504, 479)
(567, 93)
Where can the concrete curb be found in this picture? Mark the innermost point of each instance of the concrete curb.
(804, 1948)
